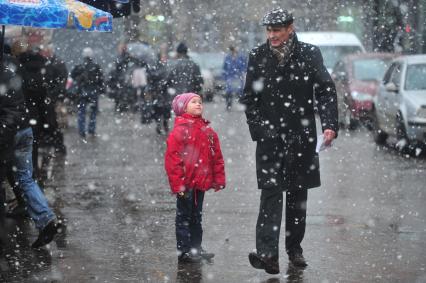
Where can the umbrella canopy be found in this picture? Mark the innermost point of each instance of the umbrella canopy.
(54, 14)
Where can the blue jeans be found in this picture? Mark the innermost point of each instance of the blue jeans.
(189, 232)
(37, 206)
(92, 102)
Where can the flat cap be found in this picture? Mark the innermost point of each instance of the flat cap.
(277, 17)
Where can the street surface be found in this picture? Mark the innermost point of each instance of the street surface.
(367, 223)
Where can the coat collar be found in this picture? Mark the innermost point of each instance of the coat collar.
(273, 59)
(189, 119)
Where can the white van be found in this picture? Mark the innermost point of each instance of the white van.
(333, 45)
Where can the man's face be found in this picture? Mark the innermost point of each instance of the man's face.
(277, 35)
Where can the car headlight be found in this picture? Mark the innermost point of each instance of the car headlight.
(360, 96)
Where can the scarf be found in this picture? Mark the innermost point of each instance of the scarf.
(284, 51)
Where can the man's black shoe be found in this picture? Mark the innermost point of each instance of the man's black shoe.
(297, 260)
(205, 254)
(270, 265)
(47, 234)
(189, 258)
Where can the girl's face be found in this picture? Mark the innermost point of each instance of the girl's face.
(195, 106)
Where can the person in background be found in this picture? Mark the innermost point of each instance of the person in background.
(234, 69)
(90, 83)
(18, 166)
(184, 75)
(157, 86)
(57, 74)
(32, 69)
(11, 104)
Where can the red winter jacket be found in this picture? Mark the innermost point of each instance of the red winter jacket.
(193, 158)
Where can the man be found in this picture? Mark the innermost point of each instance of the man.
(185, 74)
(19, 164)
(89, 79)
(57, 74)
(11, 108)
(234, 68)
(32, 68)
(282, 75)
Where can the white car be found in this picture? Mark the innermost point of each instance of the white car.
(400, 104)
(333, 45)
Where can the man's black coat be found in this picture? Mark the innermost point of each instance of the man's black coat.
(280, 113)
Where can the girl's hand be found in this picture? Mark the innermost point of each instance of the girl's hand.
(180, 194)
(219, 188)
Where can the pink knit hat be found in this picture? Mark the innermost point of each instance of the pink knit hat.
(181, 101)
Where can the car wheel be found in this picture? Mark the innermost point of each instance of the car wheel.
(403, 143)
(379, 135)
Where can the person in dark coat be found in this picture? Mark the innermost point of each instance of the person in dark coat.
(57, 77)
(32, 68)
(184, 75)
(157, 87)
(11, 109)
(18, 140)
(90, 81)
(282, 76)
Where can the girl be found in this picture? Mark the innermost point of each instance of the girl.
(194, 164)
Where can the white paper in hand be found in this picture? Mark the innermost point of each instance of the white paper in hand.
(320, 144)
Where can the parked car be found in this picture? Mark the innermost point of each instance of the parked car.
(211, 65)
(400, 104)
(357, 78)
(333, 45)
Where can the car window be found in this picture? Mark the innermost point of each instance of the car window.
(396, 75)
(370, 69)
(332, 54)
(415, 77)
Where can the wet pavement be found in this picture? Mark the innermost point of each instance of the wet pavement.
(365, 224)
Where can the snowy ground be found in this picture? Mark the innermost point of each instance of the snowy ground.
(365, 224)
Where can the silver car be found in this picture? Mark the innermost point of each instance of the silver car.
(400, 104)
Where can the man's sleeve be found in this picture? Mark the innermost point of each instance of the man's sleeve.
(257, 126)
(325, 94)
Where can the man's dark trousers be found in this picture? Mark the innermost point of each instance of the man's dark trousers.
(269, 221)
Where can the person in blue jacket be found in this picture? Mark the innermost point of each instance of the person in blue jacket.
(234, 69)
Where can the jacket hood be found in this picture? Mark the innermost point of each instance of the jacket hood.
(189, 119)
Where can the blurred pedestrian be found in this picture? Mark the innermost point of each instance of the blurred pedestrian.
(282, 76)
(234, 69)
(194, 164)
(157, 87)
(184, 74)
(90, 84)
(117, 77)
(11, 108)
(18, 164)
(32, 68)
(57, 75)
